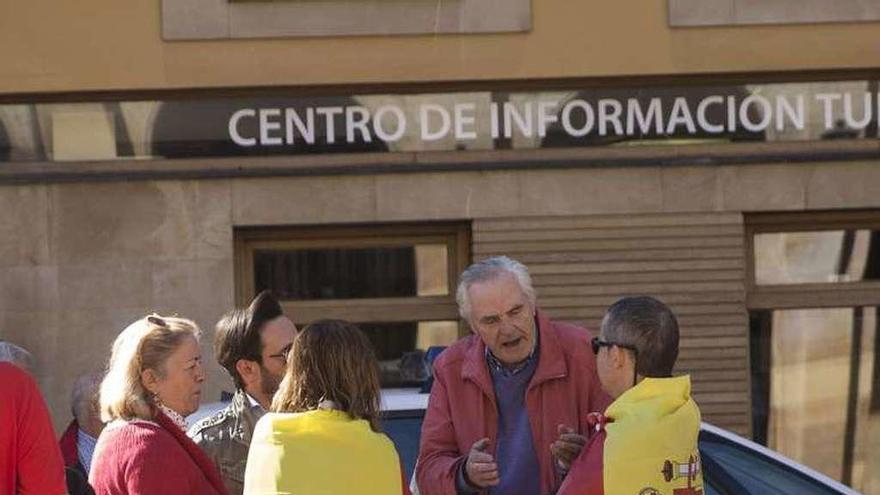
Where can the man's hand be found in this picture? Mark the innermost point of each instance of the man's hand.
(480, 468)
(568, 446)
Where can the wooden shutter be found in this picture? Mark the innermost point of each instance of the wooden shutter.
(695, 263)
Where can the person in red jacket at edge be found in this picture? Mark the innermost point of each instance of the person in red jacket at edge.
(646, 440)
(509, 405)
(30, 460)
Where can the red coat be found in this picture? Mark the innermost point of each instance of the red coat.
(147, 458)
(587, 475)
(69, 449)
(462, 408)
(30, 460)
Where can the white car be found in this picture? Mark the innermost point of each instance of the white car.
(731, 464)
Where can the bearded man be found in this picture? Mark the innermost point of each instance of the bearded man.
(252, 345)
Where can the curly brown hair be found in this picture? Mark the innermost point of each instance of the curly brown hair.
(331, 360)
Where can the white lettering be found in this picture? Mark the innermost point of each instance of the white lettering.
(589, 118)
(266, 126)
(306, 130)
(425, 121)
(464, 116)
(634, 114)
(765, 112)
(848, 112)
(828, 100)
(546, 116)
(795, 114)
(233, 127)
(522, 120)
(400, 126)
(357, 117)
(701, 114)
(493, 121)
(681, 114)
(731, 114)
(609, 112)
(329, 114)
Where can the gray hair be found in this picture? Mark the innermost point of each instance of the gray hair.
(491, 269)
(16, 355)
(649, 326)
(84, 396)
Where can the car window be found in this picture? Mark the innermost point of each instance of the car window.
(405, 430)
(733, 468)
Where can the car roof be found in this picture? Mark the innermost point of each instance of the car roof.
(404, 399)
(393, 399)
(736, 439)
(412, 399)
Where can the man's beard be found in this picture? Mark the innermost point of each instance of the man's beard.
(270, 382)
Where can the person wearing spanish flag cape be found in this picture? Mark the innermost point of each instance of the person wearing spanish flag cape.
(645, 443)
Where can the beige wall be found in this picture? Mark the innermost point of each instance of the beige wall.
(104, 45)
(79, 261)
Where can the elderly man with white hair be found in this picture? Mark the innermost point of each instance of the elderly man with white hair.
(509, 405)
(79, 439)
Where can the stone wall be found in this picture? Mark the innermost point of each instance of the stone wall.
(79, 261)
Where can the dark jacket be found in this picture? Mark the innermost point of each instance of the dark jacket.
(77, 477)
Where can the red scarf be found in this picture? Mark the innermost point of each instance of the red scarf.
(205, 464)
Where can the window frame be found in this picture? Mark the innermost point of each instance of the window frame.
(808, 295)
(455, 235)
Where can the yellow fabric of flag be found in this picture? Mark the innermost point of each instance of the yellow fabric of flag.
(321, 452)
(651, 445)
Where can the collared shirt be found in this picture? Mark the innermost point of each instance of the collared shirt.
(329, 405)
(496, 365)
(85, 448)
(255, 406)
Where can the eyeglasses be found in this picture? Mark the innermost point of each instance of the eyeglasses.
(597, 344)
(285, 352)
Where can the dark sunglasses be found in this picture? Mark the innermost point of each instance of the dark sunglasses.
(597, 344)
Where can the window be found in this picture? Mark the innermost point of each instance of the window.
(809, 260)
(237, 19)
(683, 13)
(813, 299)
(397, 282)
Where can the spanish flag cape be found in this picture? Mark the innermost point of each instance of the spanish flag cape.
(321, 452)
(645, 444)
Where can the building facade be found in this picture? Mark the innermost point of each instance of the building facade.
(354, 155)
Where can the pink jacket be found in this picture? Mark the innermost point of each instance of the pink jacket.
(462, 409)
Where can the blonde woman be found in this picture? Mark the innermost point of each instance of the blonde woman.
(323, 435)
(153, 382)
